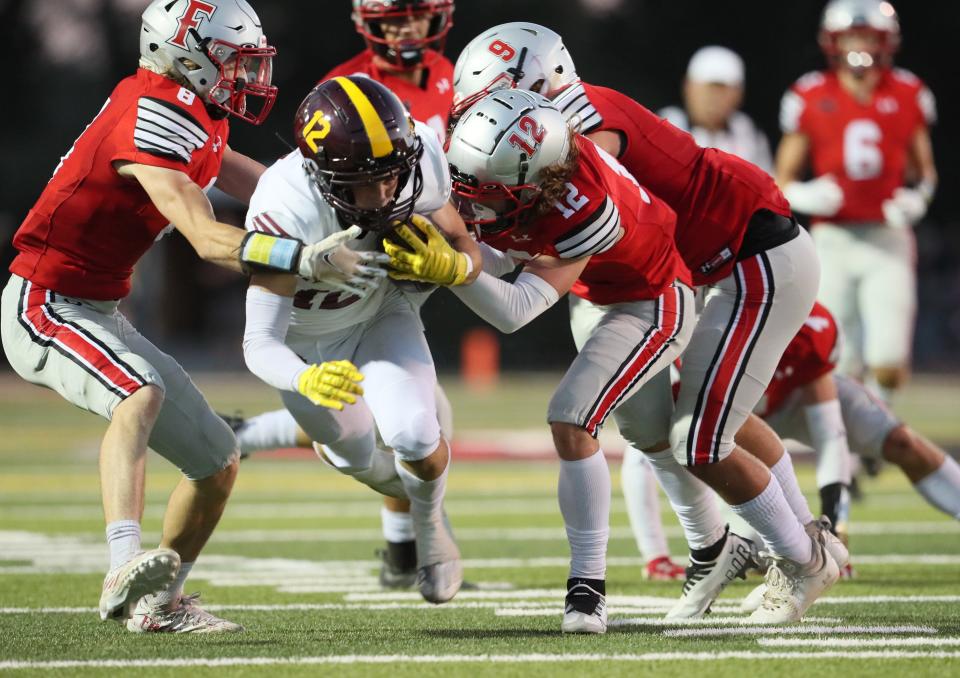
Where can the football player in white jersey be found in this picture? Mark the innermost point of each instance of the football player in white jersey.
(362, 161)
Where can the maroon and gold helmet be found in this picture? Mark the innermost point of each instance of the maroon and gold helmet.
(369, 17)
(351, 131)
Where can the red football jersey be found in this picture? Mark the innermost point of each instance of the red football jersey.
(626, 231)
(713, 193)
(863, 145)
(90, 225)
(812, 353)
(429, 103)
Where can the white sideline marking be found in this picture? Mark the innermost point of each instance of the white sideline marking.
(658, 620)
(801, 629)
(850, 600)
(465, 658)
(856, 642)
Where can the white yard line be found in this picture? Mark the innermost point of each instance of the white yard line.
(857, 642)
(793, 630)
(481, 658)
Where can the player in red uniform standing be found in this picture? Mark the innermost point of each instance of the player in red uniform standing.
(144, 161)
(862, 127)
(736, 233)
(405, 40)
(580, 223)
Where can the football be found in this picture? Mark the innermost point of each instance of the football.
(411, 286)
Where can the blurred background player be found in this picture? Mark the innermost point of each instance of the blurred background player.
(712, 95)
(143, 163)
(405, 40)
(362, 162)
(862, 128)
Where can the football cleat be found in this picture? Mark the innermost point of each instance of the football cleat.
(585, 608)
(791, 588)
(186, 616)
(819, 531)
(439, 582)
(707, 580)
(439, 568)
(663, 569)
(754, 599)
(398, 569)
(146, 573)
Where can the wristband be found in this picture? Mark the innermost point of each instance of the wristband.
(262, 252)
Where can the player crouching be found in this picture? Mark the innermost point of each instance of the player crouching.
(362, 162)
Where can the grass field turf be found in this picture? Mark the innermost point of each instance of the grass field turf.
(292, 561)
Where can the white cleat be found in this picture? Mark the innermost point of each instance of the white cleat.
(820, 531)
(706, 581)
(186, 616)
(754, 599)
(439, 583)
(585, 610)
(439, 568)
(791, 588)
(145, 573)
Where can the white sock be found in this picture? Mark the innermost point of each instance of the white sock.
(942, 487)
(175, 590)
(770, 515)
(397, 525)
(787, 479)
(829, 438)
(639, 485)
(583, 491)
(123, 538)
(268, 431)
(426, 512)
(692, 500)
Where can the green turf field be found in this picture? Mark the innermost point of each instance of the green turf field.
(293, 561)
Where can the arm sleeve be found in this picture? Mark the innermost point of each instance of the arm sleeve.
(791, 110)
(264, 350)
(495, 262)
(506, 306)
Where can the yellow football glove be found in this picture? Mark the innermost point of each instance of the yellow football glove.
(433, 261)
(331, 384)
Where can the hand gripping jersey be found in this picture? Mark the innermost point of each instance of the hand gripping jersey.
(90, 225)
(286, 202)
(812, 353)
(713, 193)
(863, 145)
(606, 215)
(430, 103)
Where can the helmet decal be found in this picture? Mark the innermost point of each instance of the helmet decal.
(380, 142)
(191, 18)
(317, 129)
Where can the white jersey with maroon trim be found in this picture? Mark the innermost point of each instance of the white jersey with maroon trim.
(287, 203)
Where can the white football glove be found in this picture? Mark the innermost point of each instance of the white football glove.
(820, 197)
(905, 208)
(332, 263)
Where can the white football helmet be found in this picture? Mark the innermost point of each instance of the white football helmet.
(866, 16)
(518, 54)
(218, 46)
(498, 151)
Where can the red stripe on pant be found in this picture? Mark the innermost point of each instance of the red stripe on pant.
(649, 352)
(95, 356)
(753, 297)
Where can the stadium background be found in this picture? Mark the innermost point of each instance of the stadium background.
(64, 57)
